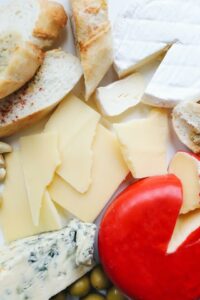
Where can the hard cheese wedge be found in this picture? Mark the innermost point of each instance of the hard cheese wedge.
(39, 158)
(119, 96)
(144, 144)
(187, 168)
(15, 213)
(108, 172)
(185, 225)
(76, 125)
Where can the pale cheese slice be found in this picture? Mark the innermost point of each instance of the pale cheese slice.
(121, 95)
(76, 125)
(15, 213)
(185, 225)
(108, 171)
(39, 158)
(187, 169)
(144, 144)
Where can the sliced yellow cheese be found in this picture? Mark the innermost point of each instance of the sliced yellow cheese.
(144, 144)
(108, 172)
(15, 214)
(76, 125)
(185, 225)
(39, 158)
(187, 169)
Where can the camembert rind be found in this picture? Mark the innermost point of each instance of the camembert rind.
(41, 266)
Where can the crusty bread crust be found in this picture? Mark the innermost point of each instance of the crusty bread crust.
(23, 64)
(51, 20)
(93, 37)
(57, 76)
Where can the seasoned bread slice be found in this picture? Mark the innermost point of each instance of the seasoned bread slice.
(93, 37)
(19, 62)
(186, 123)
(56, 77)
(38, 21)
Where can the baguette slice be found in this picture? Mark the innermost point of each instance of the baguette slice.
(15, 56)
(56, 78)
(93, 37)
(38, 21)
(186, 123)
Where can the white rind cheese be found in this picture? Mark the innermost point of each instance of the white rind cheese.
(41, 266)
(121, 95)
(148, 28)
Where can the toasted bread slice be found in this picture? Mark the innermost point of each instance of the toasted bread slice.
(186, 123)
(19, 62)
(92, 32)
(38, 21)
(56, 77)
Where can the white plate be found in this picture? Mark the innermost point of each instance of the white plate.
(66, 42)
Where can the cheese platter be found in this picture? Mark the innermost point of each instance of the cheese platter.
(99, 149)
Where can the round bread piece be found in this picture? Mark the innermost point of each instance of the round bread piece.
(186, 123)
(19, 62)
(56, 77)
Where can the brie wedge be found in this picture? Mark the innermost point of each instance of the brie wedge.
(121, 95)
(148, 28)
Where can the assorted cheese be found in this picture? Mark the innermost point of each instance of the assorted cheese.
(108, 171)
(148, 28)
(144, 144)
(76, 125)
(121, 95)
(15, 213)
(39, 159)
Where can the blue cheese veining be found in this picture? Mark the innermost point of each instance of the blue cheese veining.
(40, 266)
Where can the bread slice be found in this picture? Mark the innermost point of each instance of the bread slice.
(57, 76)
(19, 62)
(26, 26)
(92, 32)
(38, 21)
(186, 123)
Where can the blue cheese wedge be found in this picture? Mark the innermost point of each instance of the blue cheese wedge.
(41, 266)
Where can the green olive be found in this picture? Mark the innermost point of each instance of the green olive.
(60, 296)
(94, 296)
(114, 294)
(81, 287)
(98, 279)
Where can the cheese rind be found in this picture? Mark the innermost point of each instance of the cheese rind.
(39, 159)
(15, 213)
(121, 95)
(41, 266)
(148, 28)
(187, 169)
(76, 125)
(108, 171)
(144, 144)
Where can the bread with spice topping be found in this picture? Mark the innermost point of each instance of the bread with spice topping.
(38, 21)
(186, 123)
(56, 77)
(92, 31)
(19, 62)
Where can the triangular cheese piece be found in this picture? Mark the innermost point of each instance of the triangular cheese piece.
(39, 158)
(15, 213)
(185, 225)
(92, 32)
(77, 158)
(109, 170)
(76, 125)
